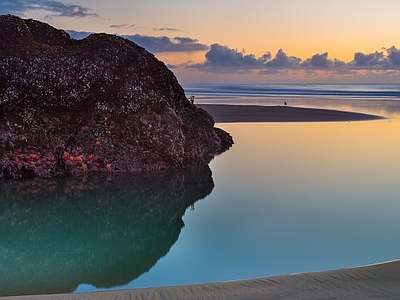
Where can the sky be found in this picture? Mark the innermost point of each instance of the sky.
(253, 41)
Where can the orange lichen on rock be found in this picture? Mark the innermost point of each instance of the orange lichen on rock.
(33, 156)
(65, 155)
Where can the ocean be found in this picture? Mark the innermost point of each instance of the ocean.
(369, 98)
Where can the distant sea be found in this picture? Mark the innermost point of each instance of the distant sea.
(370, 98)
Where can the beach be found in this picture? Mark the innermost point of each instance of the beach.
(369, 282)
(255, 113)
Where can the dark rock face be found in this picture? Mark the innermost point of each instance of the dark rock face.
(100, 104)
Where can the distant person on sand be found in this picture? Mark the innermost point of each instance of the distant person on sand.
(192, 99)
(285, 103)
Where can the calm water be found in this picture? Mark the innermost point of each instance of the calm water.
(286, 198)
(379, 99)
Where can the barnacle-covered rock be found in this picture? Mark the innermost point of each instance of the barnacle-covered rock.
(100, 104)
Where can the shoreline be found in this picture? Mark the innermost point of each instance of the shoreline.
(368, 282)
(256, 113)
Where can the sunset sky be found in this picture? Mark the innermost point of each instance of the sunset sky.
(253, 41)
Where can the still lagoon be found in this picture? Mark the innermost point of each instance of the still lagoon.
(286, 198)
(292, 198)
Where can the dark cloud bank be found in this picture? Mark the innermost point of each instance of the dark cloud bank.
(222, 58)
(166, 44)
(54, 8)
(156, 44)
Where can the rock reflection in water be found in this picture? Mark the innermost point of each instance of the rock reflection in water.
(56, 235)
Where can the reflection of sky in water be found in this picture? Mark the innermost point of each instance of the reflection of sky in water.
(288, 198)
(293, 197)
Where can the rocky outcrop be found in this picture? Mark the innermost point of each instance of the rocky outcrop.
(101, 104)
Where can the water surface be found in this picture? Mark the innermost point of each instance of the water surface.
(382, 99)
(286, 198)
(292, 198)
(102, 231)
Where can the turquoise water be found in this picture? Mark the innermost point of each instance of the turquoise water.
(291, 198)
(286, 198)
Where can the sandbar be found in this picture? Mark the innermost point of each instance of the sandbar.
(255, 113)
(381, 281)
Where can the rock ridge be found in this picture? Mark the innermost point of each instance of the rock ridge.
(101, 104)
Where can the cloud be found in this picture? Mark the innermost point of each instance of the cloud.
(282, 60)
(10, 7)
(78, 35)
(220, 56)
(118, 26)
(387, 60)
(321, 61)
(393, 56)
(372, 59)
(168, 29)
(171, 66)
(271, 71)
(165, 44)
(222, 59)
(54, 8)
(154, 44)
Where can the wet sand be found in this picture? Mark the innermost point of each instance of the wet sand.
(254, 113)
(380, 281)
(372, 282)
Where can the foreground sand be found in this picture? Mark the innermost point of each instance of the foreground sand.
(372, 282)
(254, 113)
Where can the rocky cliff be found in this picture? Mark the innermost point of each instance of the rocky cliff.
(101, 104)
